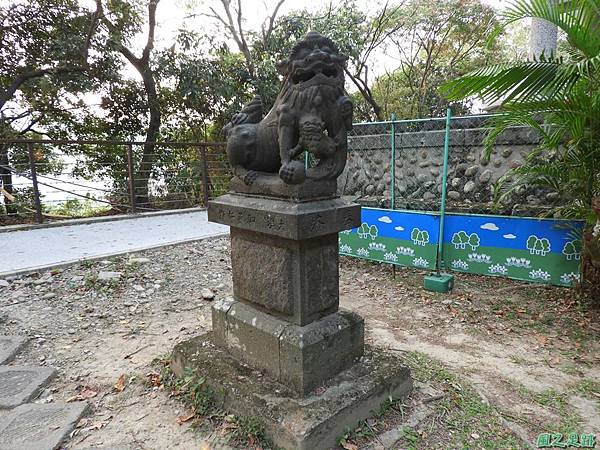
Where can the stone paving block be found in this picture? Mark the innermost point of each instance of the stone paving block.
(10, 346)
(19, 384)
(39, 427)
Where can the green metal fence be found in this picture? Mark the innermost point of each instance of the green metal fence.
(412, 164)
(412, 172)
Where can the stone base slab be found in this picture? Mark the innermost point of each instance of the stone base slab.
(39, 427)
(313, 422)
(273, 186)
(19, 384)
(10, 346)
(301, 357)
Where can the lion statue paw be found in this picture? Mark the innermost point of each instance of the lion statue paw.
(292, 172)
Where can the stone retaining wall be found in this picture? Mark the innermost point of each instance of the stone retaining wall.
(419, 160)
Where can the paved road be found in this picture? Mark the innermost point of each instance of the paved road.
(46, 247)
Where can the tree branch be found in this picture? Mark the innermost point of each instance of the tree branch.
(269, 31)
(29, 73)
(151, 28)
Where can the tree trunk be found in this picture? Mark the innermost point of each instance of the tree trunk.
(6, 181)
(149, 153)
(591, 258)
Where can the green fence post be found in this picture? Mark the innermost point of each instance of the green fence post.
(438, 282)
(306, 160)
(444, 188)
(393, 163)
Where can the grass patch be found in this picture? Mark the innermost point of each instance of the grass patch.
(588, 387)
(459, 419)
(191, 388)
(371, 427)
(468, 420)
(558, 402)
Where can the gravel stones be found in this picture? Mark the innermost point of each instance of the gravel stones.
(109, 276)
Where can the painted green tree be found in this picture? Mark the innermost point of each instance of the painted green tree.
(545, 243)
(474, 241)
(463, 238)
(414, 235)
(538, 248)
(373, 232)
(578, 244)
(456, 240)
(363, 230)
(569, 250)
(531, 244)
(424, 238)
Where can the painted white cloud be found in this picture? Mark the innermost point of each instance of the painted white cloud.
(385, 219)
(509, 236)
(399, 228)
(489, 226)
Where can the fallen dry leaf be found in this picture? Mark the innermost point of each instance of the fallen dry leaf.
(348, 445)
(154, 378)
(186, 418)
(120, 385)
(543, 340)
(84, 422)
(85, 394)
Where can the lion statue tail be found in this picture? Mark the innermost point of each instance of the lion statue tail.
(252, 112)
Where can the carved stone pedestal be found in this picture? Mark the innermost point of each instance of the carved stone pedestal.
(284, 318)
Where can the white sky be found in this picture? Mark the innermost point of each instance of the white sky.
(171, 13)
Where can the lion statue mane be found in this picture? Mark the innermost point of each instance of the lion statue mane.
(311, 113)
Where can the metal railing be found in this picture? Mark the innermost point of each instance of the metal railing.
(412, 164)
(38, 177)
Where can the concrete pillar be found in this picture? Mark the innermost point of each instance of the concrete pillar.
(542, 37)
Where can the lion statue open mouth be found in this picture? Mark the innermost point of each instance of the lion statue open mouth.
(311, 113)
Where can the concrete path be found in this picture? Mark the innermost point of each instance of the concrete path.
(40, 248)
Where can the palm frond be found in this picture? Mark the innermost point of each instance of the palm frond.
(522, 82)
(577, 18)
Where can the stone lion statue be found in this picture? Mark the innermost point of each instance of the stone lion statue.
(311, 113)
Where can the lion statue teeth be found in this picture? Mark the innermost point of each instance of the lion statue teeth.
(311, 114)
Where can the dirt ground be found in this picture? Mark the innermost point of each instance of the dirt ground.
(497, 362)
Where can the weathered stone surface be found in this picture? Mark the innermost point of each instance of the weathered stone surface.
(292, 354)
(285, 219)
(10, 346)
(472, 170)
(360, 179)
(312, 422)
(263, 273)
(19, 384)
(219, 319)
(39, 427)
(454, 195)
(273, 186)
(486, 176)
(469, 187)
(253, 336)
(296, 280)
(312, 354)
